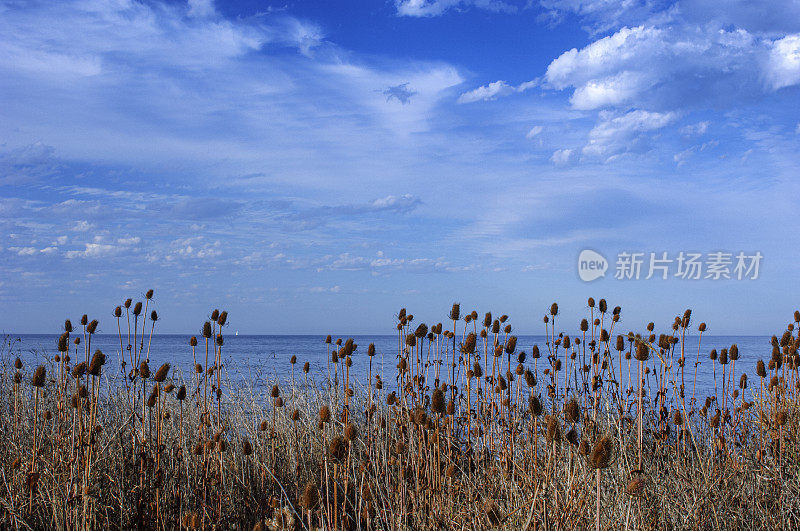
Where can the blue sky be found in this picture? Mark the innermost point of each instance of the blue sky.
(315, 166)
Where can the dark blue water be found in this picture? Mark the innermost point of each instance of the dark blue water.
(257, 361)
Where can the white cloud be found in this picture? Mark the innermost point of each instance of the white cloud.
(92, 250)
(131, 240)
(783, 65)
(495, 90)
(432, 8)
(61, 240)
(615, 135)
(562, 157)
(82, 226)
(535, 131)
(23, 251)
(697, 129)
(49, 250)
(656, 67)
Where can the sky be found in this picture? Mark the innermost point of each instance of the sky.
(314, 166)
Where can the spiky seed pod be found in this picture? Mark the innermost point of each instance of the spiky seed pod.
(181, 394)
(84, 320)
(91, 328)
(161, 373)
(554, 309)
(151, 400)
(636, 487)
(780, 418)
(455, 312)
(223, 318)
(325, 414)
(530, 379)
(275, 393)
(743, 381)
(144, 370)
(63, 342)
(496, 327)
(507, 329)
(18, 364)
(247, 448)
(604, 335)
(553, 430)
(206, 330)
(400, 447)
(734, 352)
(511, 345)
(572, 411)
(198, 368)
(295, 415)
(451, 407)
(437, 401)
(760, 370)
(220, 340)
(278, 402)
(411, 340)
(98, 360)
(620, 343)
(468, 347)
(602, 305)
(79, 370)
(642, 352)
(677, 418)
(350, 432)
(601, 453)
(337, 449)
(583, 448)
(193, 341)
(723, 356)
(477, 370)
(421, 331)
(502, 383)
(39, 376)
(310, 497)
(572, 437)
(118, 312)
(17, 378)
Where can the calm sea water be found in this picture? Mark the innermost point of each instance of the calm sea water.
(258, 361)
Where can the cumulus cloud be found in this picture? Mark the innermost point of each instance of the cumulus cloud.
(615, 135)
(495, 90)
(92, 250)
(563, 157)
(783, 65)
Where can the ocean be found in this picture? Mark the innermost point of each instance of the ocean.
(261, 360)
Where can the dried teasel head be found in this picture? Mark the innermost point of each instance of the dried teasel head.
(223, 318)
(572, 411)
(325, 414)
(275, 393)
(601, 453)
(310, 498)
(437, 401)
(350, 432)
(63, 342)
(247, 448)
(91, 328)
(144, 370)
(39, 376)
(206, 332)
(181, 394)
(455, 312)
(161, 373)
(760, 370)
(98, 360)
(79, 370)
(337, 449)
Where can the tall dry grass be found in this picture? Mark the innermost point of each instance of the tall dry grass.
(591, 429)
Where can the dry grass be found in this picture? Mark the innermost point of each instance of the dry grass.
(475, 434)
